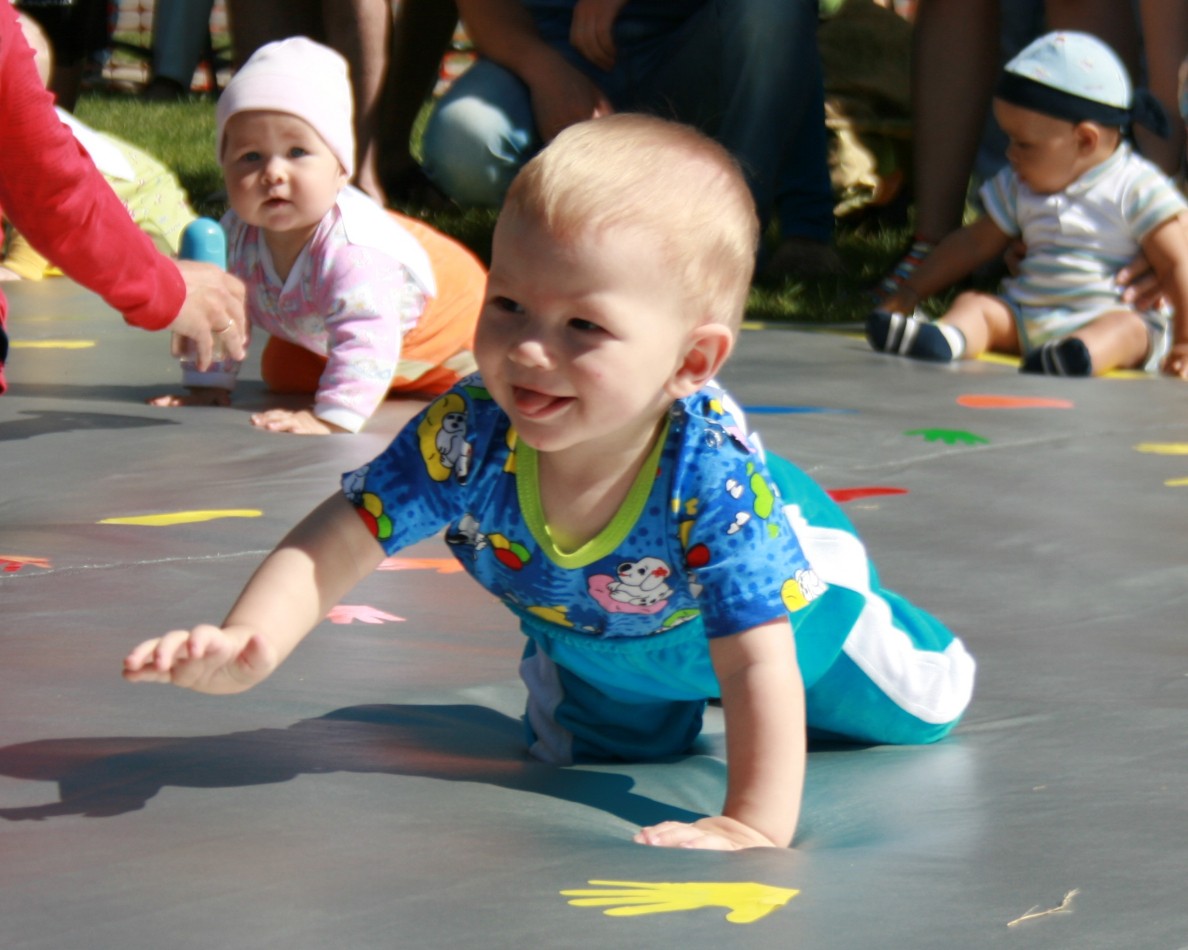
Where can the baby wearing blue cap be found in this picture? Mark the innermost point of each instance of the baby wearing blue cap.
(1084, 204)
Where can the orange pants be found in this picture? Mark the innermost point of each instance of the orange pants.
(434, 354)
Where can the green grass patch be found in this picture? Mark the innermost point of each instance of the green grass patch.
(180, 135)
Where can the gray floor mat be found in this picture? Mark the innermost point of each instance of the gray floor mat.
(374, 793)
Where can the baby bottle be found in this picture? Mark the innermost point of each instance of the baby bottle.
(202, 240)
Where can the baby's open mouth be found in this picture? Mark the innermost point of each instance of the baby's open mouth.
(532, 404)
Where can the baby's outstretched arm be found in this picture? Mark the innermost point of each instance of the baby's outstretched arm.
(207, 659)
(290, 593)
(763, 701)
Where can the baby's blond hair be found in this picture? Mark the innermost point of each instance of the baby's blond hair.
(633, 170)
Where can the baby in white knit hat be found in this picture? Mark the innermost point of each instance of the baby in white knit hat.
(285, 142)
(346, 290)
(1084, 203)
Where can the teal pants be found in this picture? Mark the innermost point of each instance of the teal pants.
(876, 668)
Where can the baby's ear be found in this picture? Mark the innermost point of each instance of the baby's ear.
(707, 348)
(1088, 135)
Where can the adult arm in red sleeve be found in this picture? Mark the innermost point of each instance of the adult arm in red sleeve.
(54, 195)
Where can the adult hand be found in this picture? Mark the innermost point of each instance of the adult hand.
(213, 306)
(1139, 281)
(563, 96)
(592, 30)
(1139, 285)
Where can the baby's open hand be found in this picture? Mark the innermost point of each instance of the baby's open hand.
(206, 659)
(197, 396)
(299, 422)
(706, 834)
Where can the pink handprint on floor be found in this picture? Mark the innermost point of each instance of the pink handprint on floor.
(349, 613)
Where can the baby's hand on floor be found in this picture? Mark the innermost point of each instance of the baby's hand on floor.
(196, 396)
(903, 300)
(1176, 361)
(299, 422)
(206, 659)
(706, 834)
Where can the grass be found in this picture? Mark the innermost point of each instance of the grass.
(182, 136)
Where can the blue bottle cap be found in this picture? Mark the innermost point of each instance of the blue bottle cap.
(204, 240)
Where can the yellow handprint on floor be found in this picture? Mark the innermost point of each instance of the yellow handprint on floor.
(747, 902)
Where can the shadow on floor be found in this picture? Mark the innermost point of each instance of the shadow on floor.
(35, 422)
(102, 777)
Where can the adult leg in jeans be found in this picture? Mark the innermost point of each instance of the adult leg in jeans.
(748, 72)
(485, 127)
(479, 135)
(181, 30)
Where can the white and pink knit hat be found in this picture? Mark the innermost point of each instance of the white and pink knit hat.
(299, 77)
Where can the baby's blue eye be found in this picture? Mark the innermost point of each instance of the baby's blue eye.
(297, 152)
(585, 326)
(250, 157)
(507, 305)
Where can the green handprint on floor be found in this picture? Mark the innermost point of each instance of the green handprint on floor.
(949, 436)
(747, 902)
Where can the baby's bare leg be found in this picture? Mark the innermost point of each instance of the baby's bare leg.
(1114, 340)
(986, 323)
(1117, 340)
